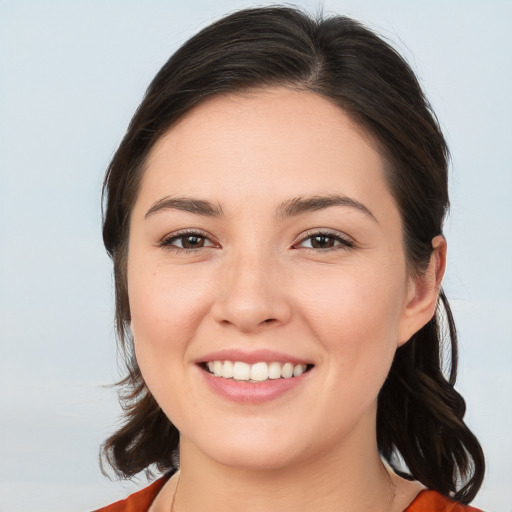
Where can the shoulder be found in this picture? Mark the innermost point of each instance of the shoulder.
(139, 501)
(432, 501)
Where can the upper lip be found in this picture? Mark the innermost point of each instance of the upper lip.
(252, 356)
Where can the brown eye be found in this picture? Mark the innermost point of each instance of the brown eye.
(325, 241)
(187, 241)
(322, 242)
(192, 241)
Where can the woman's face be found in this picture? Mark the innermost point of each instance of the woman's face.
(264, 232)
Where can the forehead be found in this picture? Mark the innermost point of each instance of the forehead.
(272, 143)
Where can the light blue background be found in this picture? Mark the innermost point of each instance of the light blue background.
(71, 75)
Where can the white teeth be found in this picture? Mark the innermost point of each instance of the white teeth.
(287, 371)
(241, 371)
(257, 372)
(217, 368)
(274, 370)
(227, 369)
(298, 370)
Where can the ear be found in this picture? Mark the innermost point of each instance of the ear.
(423, 292)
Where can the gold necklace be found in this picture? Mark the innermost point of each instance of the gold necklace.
(175, 491)
(393, 491)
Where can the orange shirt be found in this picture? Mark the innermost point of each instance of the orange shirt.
(426, 501)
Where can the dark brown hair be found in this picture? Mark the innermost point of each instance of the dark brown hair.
(420, 415)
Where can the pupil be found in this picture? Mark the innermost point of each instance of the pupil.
(191, 242)
(322, 242)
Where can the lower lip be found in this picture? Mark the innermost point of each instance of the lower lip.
(252, 392)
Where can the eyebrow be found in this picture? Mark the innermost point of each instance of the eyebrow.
(289, 208)
(300, 205)
(186, 204)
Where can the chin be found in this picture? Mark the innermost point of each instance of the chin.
(253, 459)
(251, 451)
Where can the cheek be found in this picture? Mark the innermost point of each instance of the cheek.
(166, 308)
(164, 305)
(355, 315)
(355, 304)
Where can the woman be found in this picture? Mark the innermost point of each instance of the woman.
(274, 215)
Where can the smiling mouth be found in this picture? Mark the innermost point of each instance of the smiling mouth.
(257, 372)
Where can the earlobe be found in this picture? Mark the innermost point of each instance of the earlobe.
(423, 292)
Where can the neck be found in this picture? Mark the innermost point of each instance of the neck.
(353, 479)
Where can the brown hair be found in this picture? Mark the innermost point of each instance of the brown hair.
(420, 414)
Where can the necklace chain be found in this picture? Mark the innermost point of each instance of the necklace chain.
(175, 491)
(393, 491)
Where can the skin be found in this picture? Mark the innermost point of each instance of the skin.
(257, 283)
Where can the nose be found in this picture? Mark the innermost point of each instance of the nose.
(251, 294)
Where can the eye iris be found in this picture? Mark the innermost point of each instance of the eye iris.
(192, 242)
(322, 242)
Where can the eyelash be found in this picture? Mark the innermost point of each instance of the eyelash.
(342, 242)
(167, 242)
